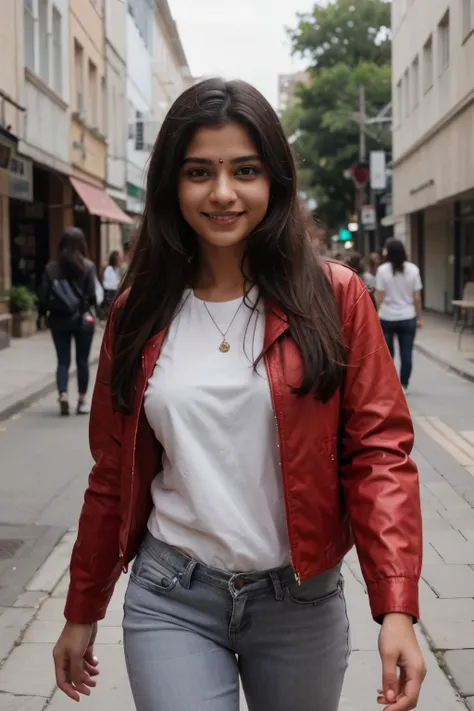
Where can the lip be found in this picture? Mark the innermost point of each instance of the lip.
(223, 219)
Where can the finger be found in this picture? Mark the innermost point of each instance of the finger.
(92, 671)
(89, 657)
(77, 672)
(389, 677)
(65, 686)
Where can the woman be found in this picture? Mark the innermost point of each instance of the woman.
(111, 280)
(66, 297)
(232, 362)
(398, 295)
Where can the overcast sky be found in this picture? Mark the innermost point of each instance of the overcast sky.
(239, 39)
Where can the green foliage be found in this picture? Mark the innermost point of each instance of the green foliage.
(325, 114)
(347, 31)
(22, 300)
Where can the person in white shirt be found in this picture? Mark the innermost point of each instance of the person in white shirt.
(398, 295)
(110, 280)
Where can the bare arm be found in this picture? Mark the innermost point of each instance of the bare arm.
(418, 307)
(379, 298)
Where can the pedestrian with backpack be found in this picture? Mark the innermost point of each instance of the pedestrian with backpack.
(67, 298)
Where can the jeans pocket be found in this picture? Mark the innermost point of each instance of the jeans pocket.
(153, 575)
(316, 590)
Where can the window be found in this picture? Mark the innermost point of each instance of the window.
(93, 95)
(407, 101)
(43, 40)
(29, 34)
(443, 43)
(399, 102)
(415, 82)
(428, 65)
(79, 78)
(139, 127)
(468, 17)
(57, 52)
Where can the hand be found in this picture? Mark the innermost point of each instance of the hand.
(74, 660)
(399, 647)
(419, 323)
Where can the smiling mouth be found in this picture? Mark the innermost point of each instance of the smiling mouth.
(223, 217)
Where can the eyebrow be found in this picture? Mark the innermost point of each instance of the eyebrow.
(234, 161)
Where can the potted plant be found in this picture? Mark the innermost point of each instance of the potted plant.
(23, 310)
(4, 301)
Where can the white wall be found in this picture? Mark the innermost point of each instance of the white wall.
(116, 82)
(139, 98)
(47, 120)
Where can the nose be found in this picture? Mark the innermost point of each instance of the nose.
(223, 192)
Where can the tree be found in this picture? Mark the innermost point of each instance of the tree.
(349, 47)
(347, 31)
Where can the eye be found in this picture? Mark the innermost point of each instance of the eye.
(197, 173)
(248, 171)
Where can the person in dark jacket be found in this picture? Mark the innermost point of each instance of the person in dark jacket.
(67, 298)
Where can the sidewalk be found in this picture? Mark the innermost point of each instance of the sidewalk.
(438, 341)
(27, 679)
(27, 371)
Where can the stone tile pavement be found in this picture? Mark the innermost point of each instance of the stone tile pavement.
(27, 370)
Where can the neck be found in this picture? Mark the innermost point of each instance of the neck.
(219, 276)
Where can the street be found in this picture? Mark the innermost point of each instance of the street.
(45, 464)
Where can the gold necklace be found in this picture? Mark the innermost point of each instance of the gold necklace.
(224, 345)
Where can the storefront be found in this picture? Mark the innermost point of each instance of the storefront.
(94, 208)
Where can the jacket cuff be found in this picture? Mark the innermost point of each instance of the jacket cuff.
(394, 595)
(82, 609)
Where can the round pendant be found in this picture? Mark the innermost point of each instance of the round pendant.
(224, 347)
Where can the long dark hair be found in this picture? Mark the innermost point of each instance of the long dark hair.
(396, 254)
(72, 252)
(278, 253)
(355, 262)
(114, 258)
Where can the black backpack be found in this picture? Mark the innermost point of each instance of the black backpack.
(65, 298)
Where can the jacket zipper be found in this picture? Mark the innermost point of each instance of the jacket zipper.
(127, 529)
(285, 489)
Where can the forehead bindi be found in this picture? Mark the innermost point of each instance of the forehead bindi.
(221, 144)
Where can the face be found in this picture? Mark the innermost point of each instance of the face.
(223, 186)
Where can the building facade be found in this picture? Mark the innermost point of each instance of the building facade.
(157, 72)
(433, 141)
(93, 207)
(287, 85)
(116, 113)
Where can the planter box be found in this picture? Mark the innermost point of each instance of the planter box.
(5, 330)
(24, 325)
(4, 306)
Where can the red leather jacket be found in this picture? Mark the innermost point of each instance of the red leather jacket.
(345, 465)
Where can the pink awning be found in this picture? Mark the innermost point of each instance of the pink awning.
(99, 203)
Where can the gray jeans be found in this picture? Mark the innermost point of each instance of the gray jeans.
(190, 631)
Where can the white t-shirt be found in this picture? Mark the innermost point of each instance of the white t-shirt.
(219, 497)
(398, 303)
(111, 278)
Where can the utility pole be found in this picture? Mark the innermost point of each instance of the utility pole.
(362, 158)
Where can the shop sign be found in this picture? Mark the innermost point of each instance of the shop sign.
(19, 171)
(368, 217)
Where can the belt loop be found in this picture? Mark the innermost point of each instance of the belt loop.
(185, 577)
(279, 592)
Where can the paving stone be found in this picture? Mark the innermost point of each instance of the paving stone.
(470, 703)
(430, 556)
(433, 521)
(29, 671)
(62, 587)
(447, 496)
(55, 565)
(52, 610)
(460, 663)
(459, 519)
(455, 581)
(8, 702)
(43, 632)
(467, 492)
(31, 599)
(12, 623)
(459, 553)
(468, 533)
